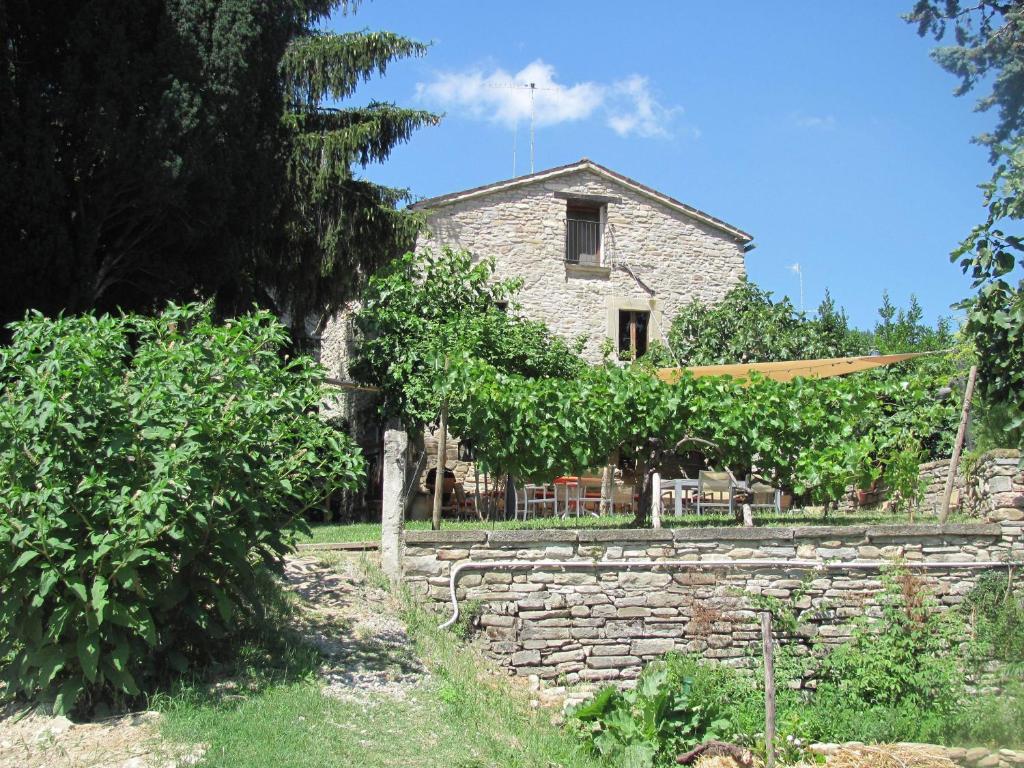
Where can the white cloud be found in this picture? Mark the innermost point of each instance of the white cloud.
(823, 122)
(633, 109)
(627, 106)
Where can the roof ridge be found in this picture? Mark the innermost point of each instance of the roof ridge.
(439, 200)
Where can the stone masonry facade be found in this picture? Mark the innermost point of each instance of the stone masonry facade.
(654, 256)
(603, 623)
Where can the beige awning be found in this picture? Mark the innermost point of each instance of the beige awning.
(789, 369)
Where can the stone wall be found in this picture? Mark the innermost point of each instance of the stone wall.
(603, 622)
(996, 486)
(677, 257)
(994, 481)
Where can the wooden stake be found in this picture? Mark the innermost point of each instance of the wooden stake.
(954, 461)
(442, 461)
(656, 500)
(769, 689)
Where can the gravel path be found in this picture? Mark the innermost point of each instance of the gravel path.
(32, 740)
(353, 623)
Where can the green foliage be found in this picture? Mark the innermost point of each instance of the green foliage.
(421, 309)
(159, 149)
(994, 609)
(905, 658)
(899, 678)
(802, 434)
(151, 467)
(911, 424)
(987, 52)
(676, 704)
(747, 326)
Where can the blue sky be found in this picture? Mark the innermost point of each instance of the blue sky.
(822, 128)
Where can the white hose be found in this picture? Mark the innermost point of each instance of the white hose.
(786, 564)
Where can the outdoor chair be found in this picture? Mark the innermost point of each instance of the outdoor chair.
(764, 496)
(623, 500)
(711, 485)
(534, 497)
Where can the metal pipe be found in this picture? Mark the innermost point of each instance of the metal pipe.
(786, 564)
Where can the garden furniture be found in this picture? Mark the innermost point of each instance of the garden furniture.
(714, 484)
(682, 490)
(535, 496)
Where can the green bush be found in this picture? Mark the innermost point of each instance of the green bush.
(150, 467)
(995, 611)
(678, 703)
(899, 678)
(905, 657)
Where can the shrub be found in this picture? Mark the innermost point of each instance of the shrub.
(150, 467)
(678, 703)
(903, 658)
(899, 678)
(995, 610)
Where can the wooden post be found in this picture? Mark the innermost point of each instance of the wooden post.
(954, 461)
(396, 444)
(769, 689)
(656, 500)
(442, 461)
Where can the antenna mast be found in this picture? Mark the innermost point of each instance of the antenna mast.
(533, 119)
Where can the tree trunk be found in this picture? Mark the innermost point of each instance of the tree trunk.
(396, 443)
(442, 461)
(640, 490)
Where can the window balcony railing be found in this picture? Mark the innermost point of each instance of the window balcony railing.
(583, 242)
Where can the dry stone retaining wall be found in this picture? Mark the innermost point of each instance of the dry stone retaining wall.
(603, 622)
(995, 481)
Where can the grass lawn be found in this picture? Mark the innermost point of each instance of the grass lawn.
(463, 715)
(330, 533)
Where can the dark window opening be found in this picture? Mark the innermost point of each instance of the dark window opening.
(583, 234)
(466, 452)
(632, 334)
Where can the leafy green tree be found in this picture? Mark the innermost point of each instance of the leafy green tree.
(150, 467)
(748, 326)
(988, 52)
(421, 309)
(160, 149)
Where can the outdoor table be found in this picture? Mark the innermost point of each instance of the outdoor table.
(570, 482)
(678, 485)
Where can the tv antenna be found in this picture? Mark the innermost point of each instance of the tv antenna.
(533, 119)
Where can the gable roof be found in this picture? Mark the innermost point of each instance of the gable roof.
(585, 164)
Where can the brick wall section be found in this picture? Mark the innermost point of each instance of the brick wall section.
(604, 623)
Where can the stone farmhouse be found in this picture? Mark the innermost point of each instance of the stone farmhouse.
(602, 256)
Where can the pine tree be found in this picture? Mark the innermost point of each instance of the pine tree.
(168, 149)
